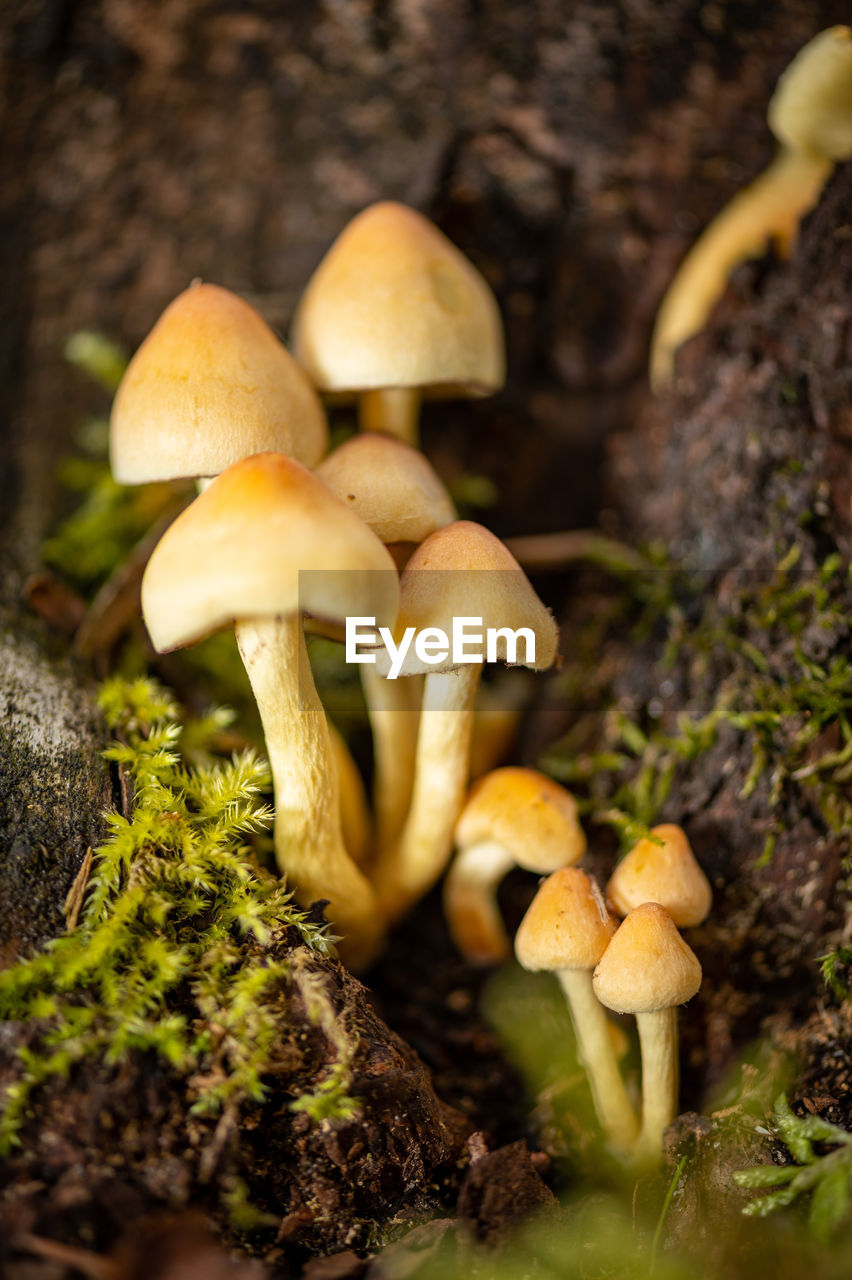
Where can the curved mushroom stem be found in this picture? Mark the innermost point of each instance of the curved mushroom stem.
(308, 841)
(442, 763)
(391, 411)
(595, 1044)
(470, 902)
(355, 821)
(769, 209)
(658, 1041)
(393, 708)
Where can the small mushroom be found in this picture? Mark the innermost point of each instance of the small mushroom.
(265, 541)
(460, 571)
(649, 970)
(394, 312)
(662, 869)
(396, 492)
(810, 114)
(566, 931)
(211, 384)
(513, 817)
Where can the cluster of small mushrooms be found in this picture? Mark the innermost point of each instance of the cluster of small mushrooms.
(283, 536)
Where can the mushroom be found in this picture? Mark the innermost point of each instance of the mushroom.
(513, 817)
(396, 492)
(211, 384)
(649, 970)
(662, 869)
(394, 312)
(460, 572)
(566, 931)
(810, 114)
(263, 542)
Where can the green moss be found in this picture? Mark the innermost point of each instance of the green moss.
(183, 944)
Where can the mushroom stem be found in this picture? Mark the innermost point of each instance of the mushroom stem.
(658, 1040)
(391, 411)
(410, 869)
(309, 845)
(768, 210)
(394, 714)
(470, 901)
(597, 1053)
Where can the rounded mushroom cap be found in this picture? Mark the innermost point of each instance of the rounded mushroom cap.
(463, 571)
(811, 109)
(647, 966)
(666, 873)
(390, 486)
(211, 384)
(395, 304)
(266, 538)
(528, 814)
(567, 925)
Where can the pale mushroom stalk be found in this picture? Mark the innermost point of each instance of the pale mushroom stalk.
(308, 839)
(658, 1040)
(394, 714)
(769, 210)
(470, 900)
(409, 870)
(597, 1053)
(391, 411)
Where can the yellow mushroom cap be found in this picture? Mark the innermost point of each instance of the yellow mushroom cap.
(266, 538)
(666, 873)
(567, 925)
(528, 814)
(647, 966)
(811, 109)
(395, 304)
(390, 486)
(464, 571)
(209, 385)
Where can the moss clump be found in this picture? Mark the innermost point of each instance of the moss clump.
(182, 943)
(765, 664)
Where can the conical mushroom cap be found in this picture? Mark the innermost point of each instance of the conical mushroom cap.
(463, 571)
(666, 873)
(390, 486)
(811, 109)
(567, 925)
(647, 966)
(528, 814)
(211, 384)
(395, 304)
(266, 538)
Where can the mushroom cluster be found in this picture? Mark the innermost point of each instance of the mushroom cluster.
(284, 535)
(641, 966)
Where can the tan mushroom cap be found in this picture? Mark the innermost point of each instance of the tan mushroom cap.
(567, 925)
(528, 814)
(647, 966)
(390, 486)
(266, 538)
(395, 304)
(811, 109)
(666, 873)
(464, 571)
(209, 385)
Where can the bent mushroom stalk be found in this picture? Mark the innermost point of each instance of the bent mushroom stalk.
(513, 817)
(393, 312)
(649, 970)
(810, 115)
(461, 571)
(239, 553)
(396, 492)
